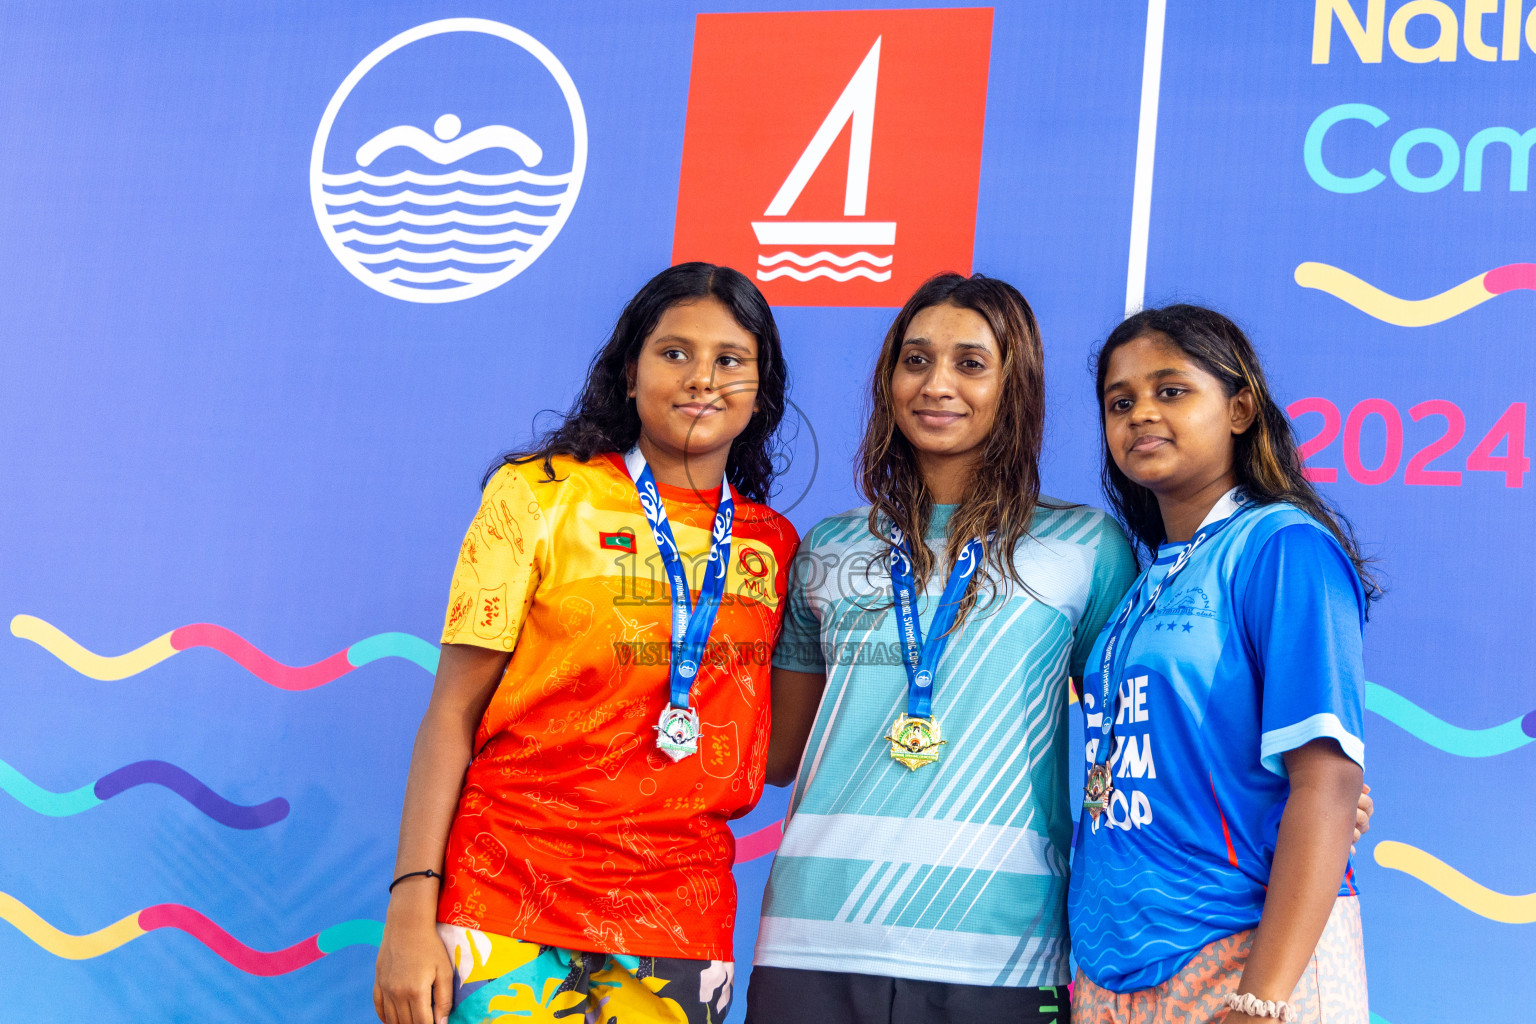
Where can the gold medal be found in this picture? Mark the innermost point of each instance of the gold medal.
(915, 741)
(1097, 792)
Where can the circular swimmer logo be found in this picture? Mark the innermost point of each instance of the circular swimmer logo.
(446, 163)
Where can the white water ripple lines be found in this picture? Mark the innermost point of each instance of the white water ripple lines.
(836, 275)
(802, 266)
(807, 261)
(440, 231)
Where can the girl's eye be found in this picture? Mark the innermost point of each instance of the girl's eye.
(674, 354)
(1171, 391)
(730, 362)
(913, 358)
(1120, 405)
(973, 364)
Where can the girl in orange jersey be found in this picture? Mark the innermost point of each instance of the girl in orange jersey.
(604, 677)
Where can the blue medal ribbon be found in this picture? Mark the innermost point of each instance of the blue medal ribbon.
(922, 659)
(1112, 664)
(690, 623)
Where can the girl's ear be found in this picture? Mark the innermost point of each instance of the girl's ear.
(630, 369)
(1243, 410)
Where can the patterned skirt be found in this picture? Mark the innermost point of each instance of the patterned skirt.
(1331, 990)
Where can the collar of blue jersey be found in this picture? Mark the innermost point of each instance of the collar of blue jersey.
(690, 623)
(921, 659)
(1224, 508)
(1118, 644)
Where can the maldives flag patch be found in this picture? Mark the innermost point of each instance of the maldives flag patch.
(623, 540)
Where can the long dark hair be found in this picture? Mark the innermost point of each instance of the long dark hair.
(604, 419)
(1001, 497)
(1266, 460)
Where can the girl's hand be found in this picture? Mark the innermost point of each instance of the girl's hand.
(413, 978)
(1363, 811)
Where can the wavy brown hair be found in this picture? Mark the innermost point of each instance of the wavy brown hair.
(1002, 495)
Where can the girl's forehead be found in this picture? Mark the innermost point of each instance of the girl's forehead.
(947, 324)
(702, 320)
(1148, 353)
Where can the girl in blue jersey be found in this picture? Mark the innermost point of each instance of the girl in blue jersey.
(1223, 701)
(922, 876)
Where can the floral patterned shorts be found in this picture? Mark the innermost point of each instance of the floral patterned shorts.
(496, 978)
(1331, 991)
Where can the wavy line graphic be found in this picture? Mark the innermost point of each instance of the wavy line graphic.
(433, 276)
(233, 646)
(478, 220)
(362, 196)
(1455, 886)
(824, 257)
(361, 932)
(451, 178)
(836, 275)
(1453, 739)
(451, 235)
(1453, 302)
(141, 773)
(760, 843)
(439, 256)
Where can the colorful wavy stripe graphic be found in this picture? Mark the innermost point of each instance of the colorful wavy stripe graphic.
(1454, 885)
(361, 932)
(202, 634)
(760, 843)
(1372, 301)
(141, 773)
(1453, 739)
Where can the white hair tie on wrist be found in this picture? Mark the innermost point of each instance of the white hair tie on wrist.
(1253, 1006)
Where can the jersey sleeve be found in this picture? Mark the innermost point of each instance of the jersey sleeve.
(1303, 616)
(497, 572)
(1114, 570)
(799, 646)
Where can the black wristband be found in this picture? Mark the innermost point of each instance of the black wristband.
(428, 873)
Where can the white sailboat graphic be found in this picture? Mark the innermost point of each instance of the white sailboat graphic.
(855, 107)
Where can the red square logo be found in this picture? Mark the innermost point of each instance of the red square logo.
(834, 155)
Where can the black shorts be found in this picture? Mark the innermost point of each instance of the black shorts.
(781, 995)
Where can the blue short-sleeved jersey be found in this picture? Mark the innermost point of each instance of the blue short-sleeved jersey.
(1253, 650)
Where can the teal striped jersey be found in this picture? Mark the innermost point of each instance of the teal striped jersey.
(955, 872)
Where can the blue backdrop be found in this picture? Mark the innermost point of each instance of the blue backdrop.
(209, 419)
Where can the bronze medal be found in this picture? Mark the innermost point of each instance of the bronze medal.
(1097, 792)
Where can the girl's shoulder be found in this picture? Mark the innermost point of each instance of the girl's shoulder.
(1262, 522)
(561, 477)
(1057, 519)
(758, 522)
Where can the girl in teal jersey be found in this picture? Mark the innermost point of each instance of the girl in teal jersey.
(1224, 704)
(922, 875)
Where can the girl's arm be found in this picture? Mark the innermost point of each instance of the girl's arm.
(413, 978)
(1310, 857)
(796, 696)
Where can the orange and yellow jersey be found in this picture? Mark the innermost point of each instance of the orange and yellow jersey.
(573, 830)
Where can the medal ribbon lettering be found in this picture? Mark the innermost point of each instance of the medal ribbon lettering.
(677, 731)
(915, 738)
(1100, 786)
